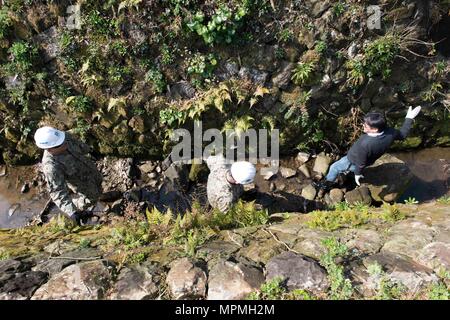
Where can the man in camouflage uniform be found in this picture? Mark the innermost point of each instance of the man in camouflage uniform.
(224, 186)
(67, 166)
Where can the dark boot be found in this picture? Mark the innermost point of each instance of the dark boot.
(324, 185)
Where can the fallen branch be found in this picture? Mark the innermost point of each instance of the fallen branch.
(279, 241)
(74, 258)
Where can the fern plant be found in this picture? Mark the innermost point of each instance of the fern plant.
(303, 72)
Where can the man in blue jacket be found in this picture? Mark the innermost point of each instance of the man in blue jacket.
(369, 147)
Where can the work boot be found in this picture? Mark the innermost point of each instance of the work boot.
(81, 217)
(324, 185)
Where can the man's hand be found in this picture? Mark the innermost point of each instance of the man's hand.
(412, 113)
(357, 178)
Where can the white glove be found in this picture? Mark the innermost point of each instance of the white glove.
(412, 113)
(357, 177)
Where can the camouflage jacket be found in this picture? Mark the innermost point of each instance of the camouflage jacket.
(74, 169)
(221, 194)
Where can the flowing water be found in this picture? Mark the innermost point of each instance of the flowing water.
(431, 169)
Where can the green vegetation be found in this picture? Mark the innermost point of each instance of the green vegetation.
(157, 79)
(196, 227)
(339, 8)
(201, 67)
(303, 72)
(378, 58)
(221, 27)
(386, 289)
(22, 57)
(340, 287)
(411, 201)
(444, 200)
(350, 216)
(5, 22)
(85, 243)
(275, 290)
(79, 104)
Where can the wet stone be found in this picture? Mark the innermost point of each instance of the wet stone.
(53, 266)
(359, 195)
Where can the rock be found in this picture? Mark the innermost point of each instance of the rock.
(282, 78)
(299, 272)
(261, 250)
(11, 266)
(435, 255)
(304, 170)
(287, 172)
(363, 240)
(254, 75)
(181, 90)
(186, 280)
(48, 41)
(178, 174)
(227, 70)
(400, 269)
(387, 178)
(25, 283)
(401, 240)
(117, 174)
(336, 195)
(311, 245)
(147, 167)
(60, 246)
(322, 163)
(84, 281)
(269, 173)
(138, 283)
(359, 195)
(272, 186)
(233, 281)
(12, 296)
(53, 266)
(302, 157)
(309, 192)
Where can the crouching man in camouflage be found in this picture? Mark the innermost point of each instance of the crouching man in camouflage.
(224, 186)
(65, 165)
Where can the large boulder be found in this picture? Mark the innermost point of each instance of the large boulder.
(24, 284)
(117, 174)
(233, 281)
(397, 269)
(387, 178)
(84, 281)
(359, 195)
(298, 271)
(186, 280)
(435, 255)
(138, 283)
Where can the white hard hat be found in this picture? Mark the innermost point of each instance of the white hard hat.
(243, 172)
(48, 137)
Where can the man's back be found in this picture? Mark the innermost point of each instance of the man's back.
(367, 149)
